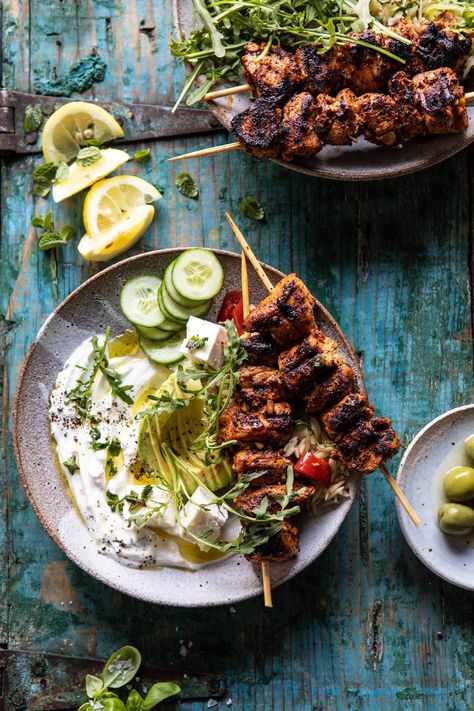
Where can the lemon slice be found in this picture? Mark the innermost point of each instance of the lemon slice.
(81, 176)
(69, 128)
(109, 201)
(116, 240)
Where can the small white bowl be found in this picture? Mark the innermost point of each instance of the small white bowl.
(420, 476)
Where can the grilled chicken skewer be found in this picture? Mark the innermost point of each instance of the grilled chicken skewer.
(278, 74)
(431, 103)
(363, 441)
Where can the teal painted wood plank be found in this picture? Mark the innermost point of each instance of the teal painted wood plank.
(366, 627)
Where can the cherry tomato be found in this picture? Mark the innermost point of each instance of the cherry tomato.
(232, 308)
(313, 468)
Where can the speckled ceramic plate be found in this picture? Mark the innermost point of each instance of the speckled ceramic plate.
(89, 310)
(362, 161)
(436, 448)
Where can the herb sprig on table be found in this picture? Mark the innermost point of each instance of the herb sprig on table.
(119, 673)
(51, 238)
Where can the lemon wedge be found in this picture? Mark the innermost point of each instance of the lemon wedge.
(109, 201)
(81, 176)
(117, 212)
(69, 128)
(110, 243)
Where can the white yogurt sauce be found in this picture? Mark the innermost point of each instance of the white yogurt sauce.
(161, 542)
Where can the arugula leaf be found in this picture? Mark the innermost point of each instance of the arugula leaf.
(187, 185)
(88, 155)
(251, 208)
(142, 156)
(71, 464)
(33, 118)
(214, 34)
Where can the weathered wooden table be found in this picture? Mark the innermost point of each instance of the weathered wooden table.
(366, 626)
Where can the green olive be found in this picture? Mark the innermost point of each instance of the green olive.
(456, 519)
(469, 446)
(459, 484)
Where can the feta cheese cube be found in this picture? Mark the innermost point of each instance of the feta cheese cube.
(205, 342)
(158, 504)
(202, 518)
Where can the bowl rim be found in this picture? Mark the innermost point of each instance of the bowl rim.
(405, 524)
(22, 469)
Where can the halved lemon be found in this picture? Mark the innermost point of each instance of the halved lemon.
(69, 128)
(81, 176)
(111, 200)
(118, 238)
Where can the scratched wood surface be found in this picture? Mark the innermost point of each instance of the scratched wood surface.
(366, 626)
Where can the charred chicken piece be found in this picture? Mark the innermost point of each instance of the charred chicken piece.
(322, 73)
(286, 313)
(258, 128)
(379, 118)
(300, 139)
(344, 416)
(261, 350)
(307, 362)
(277, 75)
(368, 70)
(440, 100)
(251, 499)
(259, 388)
(338, 122)
(283, 546)
(248, 427)
(435, 46)
(331, 389)
(409, 120)
(367, 445)
(272, 465)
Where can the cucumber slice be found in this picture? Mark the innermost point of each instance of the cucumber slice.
(166, 352)
(156, 334)
(176, 312)
(197, 274)
(138, 301)
(175, 295)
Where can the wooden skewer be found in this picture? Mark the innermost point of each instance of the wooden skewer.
(246, 247)
(400, 495)
(391, 481)
(208, 151)
(227, 92)
(267, 585)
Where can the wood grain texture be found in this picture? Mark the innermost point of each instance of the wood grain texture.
(367, 627)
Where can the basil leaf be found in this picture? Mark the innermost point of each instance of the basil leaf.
(159, 692)
(252, 208)
(85, 707)
(121, 667)
(134, 701)
(112, 704)
(94, 685)
(33, 118)
(62, 171)
(49, 240)
(142, 156)
(88, 155)
(186, 185)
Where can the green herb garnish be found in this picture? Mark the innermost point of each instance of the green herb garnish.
(71, 464)
(43, 177)
(120, 671)
(142, 156)
(80, 395)
(33, 118)
(51, 238)
(186, 185)
(252, 208)
(196, 342)
(88, 155)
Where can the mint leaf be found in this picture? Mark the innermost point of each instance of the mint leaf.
(43, 176)
(62, 171)
(33, 118)
(88, 155)
(252, 208)
(71, 465)
(49, 240)
(142, 156)
(186, 185)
